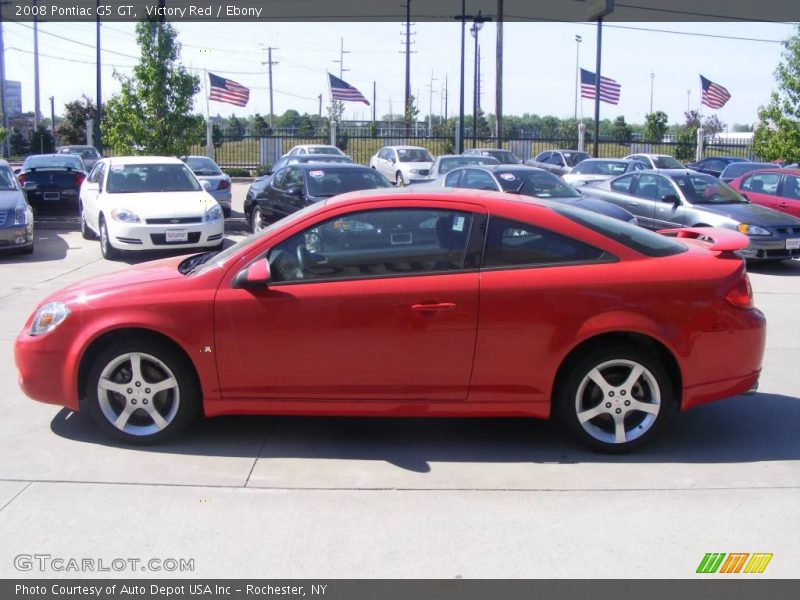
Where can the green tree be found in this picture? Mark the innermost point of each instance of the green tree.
(216, 135)
(621, 132)
(712, 125)
(72, 128)
(288, 120)
(412, 112)
(777, 135)
(42, 141)
(655, 126)
(152, 114)
(260, 126)
(18, 143)
(686, 147)
(305, 126)
(235, 129)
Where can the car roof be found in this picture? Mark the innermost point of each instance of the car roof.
(486, 198)
(144, 160)
(650, 155)
(321, 167)
(4, 163)
(623, 160)
(565, 150)
(503, 168)
(777, 170)
(312, 157)
(489, 150)
(675, 172)
(199, 156)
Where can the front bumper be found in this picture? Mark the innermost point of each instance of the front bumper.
(143, 236)
(771, 247)
(16, 236)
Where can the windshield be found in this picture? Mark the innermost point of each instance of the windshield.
(44, 162)
(448, 164)
(601, 167)
(503, 156)
(666, 162)
(7, 180)
(323, 150)
(84, 152)
(142, 178)
(733, 171)
(573, 158)
(414, 155)
(326, 182)
(538, 184)
(704, 189)
(202, 165)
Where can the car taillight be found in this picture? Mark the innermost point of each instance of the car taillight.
(741, 295)
(21, 179)
(78, 178)
(224, 184)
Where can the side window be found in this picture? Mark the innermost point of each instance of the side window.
(101, 175)
(277, 179)
(622, 184)
(376, 243)
(293, 179)
(665, 188)
(515, 244)
(453, 179)
(763, 183)
(92, 178)
(556, 159)
(791, 187)
(647, 186)
(639, 166)
(542, 157)
(478, 180)
(714, 165)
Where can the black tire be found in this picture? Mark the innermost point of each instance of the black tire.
(106, 248)
(27, 249)
(86, 233)
(226, 211)
(579, 393)
(255, 219)
(398, 179)
(177, 405)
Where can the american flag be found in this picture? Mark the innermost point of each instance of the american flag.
(714, 95)
(227, 90)
(609, 89)
(341, 90)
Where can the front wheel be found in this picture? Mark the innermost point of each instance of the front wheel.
(615, 399)
(142, 392)
(106, 249)
(399, 181)
(256, 223)
(86, 231)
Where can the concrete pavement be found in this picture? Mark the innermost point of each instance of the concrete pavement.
(313, 497)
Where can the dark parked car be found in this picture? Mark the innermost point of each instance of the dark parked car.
(533, 182)
(735, 170)
(714, 165)
(296, 186)
(776, 188)
(672, 198)
(504, 157)
(559, 162)
(16, 215)
(89, 154)
(51, 178)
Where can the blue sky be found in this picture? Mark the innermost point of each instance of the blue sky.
(539, 64)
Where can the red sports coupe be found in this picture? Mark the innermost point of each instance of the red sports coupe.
(410, 303)
(778, 189)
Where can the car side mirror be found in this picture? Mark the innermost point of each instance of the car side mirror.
(295, 191)
(29, 186)
(671, 198)
(206, 185)
(255, 275)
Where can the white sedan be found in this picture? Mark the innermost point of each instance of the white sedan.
(403, 164)
(135, 203)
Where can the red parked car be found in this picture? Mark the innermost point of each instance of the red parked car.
(422, 303)
(777, 188)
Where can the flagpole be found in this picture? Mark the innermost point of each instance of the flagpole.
(596, 147)
(331, 113)
(209, 127)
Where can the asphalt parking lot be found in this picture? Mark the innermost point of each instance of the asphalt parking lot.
(341, 498)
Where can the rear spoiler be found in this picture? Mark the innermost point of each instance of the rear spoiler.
(722, 240)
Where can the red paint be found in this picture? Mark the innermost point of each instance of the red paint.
(778, 201)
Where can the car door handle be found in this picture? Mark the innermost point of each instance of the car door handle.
(441, 307)
(633, 203)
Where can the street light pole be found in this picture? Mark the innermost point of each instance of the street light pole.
(688, 100)
(652, 79)
(477, 23)
(577, 71)
(463, 17)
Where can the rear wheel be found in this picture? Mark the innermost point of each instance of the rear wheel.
(108, 251)
(615, 399)
(142, 392)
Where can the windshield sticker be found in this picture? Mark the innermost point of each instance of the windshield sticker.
(316, 173)
(484, 154)
(458, 224)
(507, 176)
(117, 168)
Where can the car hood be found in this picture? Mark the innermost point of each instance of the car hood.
(154, 205)
(103, 285)
(752, 214)
(9, 199)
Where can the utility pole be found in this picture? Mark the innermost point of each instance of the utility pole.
(98, 115)
(498, 84)
(652, 79)
(578, 40)
(445, 98)
(374, 102)
(342, 52)
(430, 105)
(36, 106)
(408, 62)
(319, 118)
(688, 100)
(3, 107)
(53, 116)
(270, 62)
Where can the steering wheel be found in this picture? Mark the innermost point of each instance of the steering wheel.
(301, 262)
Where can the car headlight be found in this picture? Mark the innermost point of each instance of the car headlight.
(214, 214)
(752, 229)
(48, 317)
(124, 215)
(21, 214)
(416, 171)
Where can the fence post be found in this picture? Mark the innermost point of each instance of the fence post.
(700, 141)
(581, 137)
(457, 145)
(333, 133)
